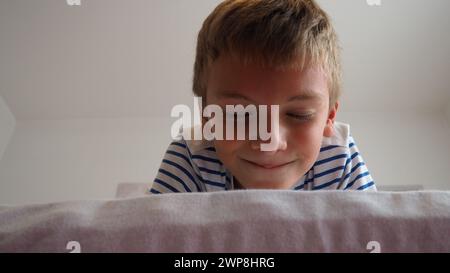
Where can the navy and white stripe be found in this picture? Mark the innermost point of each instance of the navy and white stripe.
(193, 166)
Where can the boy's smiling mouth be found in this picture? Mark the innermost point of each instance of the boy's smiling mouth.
(267, 166)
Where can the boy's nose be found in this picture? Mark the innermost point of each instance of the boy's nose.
(277, 141)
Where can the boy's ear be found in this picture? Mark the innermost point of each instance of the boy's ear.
(329, 127)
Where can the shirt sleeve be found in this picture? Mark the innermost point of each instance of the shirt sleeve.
(356, 176)
(177, 171)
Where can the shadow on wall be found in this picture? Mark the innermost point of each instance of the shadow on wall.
(447, 113)
(7, 125)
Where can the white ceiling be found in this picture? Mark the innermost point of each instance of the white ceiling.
(118, 58)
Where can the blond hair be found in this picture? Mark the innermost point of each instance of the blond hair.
(278, 33)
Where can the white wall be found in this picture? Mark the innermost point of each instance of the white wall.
(7, 125)
(403, 148)
(56, 160)
(103, 59)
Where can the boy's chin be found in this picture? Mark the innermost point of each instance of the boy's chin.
(266, 185)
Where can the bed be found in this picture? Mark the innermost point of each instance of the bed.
(234, 221)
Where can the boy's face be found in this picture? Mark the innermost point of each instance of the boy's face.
(304, 118)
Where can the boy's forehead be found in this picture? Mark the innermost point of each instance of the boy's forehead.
(236, 65)
(265, 62)
(231, 78)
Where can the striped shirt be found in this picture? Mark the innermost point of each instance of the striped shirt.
(193, 166)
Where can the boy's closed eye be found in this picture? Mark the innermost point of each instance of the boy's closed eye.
(245, 115)
(301, 116)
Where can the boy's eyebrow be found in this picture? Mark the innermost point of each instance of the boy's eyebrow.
(234, 95)
(306, 94)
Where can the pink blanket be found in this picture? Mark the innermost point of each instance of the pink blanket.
(236, 221)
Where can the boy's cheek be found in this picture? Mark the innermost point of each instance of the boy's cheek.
(306, 143)
(305, 136)
(225, 148)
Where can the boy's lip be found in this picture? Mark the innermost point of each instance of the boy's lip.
(268, 165)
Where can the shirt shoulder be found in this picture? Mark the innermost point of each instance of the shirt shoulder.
(212, 171)
(339, 164)
(341, 136)
(196, 146)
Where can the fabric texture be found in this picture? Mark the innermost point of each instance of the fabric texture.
(235, 221)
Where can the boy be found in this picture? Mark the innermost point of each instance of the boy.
(269, 52)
